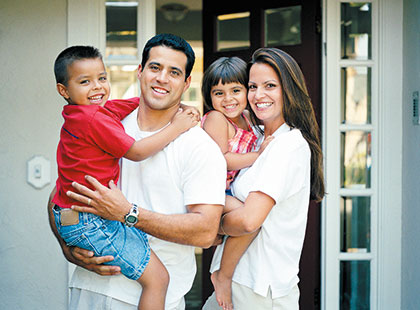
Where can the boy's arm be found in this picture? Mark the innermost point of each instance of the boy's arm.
(122, 107)
(144, 148)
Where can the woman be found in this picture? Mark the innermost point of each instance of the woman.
(276, 190)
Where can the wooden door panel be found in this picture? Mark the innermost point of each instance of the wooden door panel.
(308, 56)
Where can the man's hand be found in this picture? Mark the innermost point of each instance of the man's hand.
(85, 259)
(78, 256)
(108, 203)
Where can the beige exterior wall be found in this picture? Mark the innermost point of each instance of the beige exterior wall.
(410, 274)
(33, 271)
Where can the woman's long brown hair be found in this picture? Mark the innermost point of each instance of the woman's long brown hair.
(297, 109)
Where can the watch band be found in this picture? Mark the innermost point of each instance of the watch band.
(131, 218)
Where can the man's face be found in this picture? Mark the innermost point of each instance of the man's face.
(162, 80)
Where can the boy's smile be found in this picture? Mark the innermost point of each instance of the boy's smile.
(87, 84)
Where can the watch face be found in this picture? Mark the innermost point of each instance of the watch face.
(131, 219)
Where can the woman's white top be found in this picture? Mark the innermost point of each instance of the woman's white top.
(282, 172)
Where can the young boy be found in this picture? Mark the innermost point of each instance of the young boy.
(92, 140)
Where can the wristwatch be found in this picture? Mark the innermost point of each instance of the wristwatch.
(131, 218)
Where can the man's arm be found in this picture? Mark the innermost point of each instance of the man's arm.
(78, 256)
(198, 227)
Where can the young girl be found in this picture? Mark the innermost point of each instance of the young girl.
(225, 94)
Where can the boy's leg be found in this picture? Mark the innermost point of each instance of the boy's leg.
(154, 281)
(234, 248)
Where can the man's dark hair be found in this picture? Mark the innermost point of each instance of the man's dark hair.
(68, 56)
(174, 42)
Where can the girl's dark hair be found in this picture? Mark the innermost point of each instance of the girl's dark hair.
(297, 108)
(225, 70)
(68, 56)
(174, 42)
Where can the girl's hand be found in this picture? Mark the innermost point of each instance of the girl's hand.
(264, 144)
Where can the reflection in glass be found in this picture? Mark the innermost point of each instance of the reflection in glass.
(355, 159)
(123, 80)
(355, 224)
(356, 31)
(228, 35)
(282, 26)
(121, 29)
(355, 285)
(356, 95)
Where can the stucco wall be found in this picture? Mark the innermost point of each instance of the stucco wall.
(411, 160)
(33, 271)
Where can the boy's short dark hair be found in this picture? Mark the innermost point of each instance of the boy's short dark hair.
(174, 42)
(68, 56)
(226, 70)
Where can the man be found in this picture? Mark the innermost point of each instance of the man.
(179, 191)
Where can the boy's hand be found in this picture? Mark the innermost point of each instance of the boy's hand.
(185, 119)
(191, 109)
(264, 144)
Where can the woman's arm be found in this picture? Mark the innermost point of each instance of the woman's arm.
(248, 218)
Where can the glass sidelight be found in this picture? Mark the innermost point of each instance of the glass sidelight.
(355, 285)
(356, 30)
(356, 95)
(121, 50)
(357, 135)
(121, 29)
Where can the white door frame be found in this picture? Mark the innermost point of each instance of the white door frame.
(386, 154)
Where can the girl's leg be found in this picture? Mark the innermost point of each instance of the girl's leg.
(234, 248)
(154, 281)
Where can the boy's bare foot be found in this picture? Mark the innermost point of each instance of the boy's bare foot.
(223, 289)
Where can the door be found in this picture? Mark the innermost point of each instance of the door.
(233, 28)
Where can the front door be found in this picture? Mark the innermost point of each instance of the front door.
(237, 28)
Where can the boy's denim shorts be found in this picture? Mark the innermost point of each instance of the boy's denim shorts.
(128, 245)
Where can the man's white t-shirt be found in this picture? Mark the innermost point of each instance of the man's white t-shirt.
(190, 170)
(282, 172)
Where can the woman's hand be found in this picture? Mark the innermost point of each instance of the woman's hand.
(108, 203)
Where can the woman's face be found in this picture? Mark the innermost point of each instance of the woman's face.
(265, 95)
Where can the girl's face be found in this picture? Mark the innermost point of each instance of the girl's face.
(265, 95)
(229, 99)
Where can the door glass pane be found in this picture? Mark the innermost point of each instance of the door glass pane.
(355, 224)
(356, 95)
(121, 29)
(355, 285)
(356, 31)
(355, 159)
(282, 26)
(233, 31)
(123, 80)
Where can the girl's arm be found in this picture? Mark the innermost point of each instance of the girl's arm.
(217, 126)
(144, 148)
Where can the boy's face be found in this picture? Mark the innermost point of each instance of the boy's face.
(87, 84)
